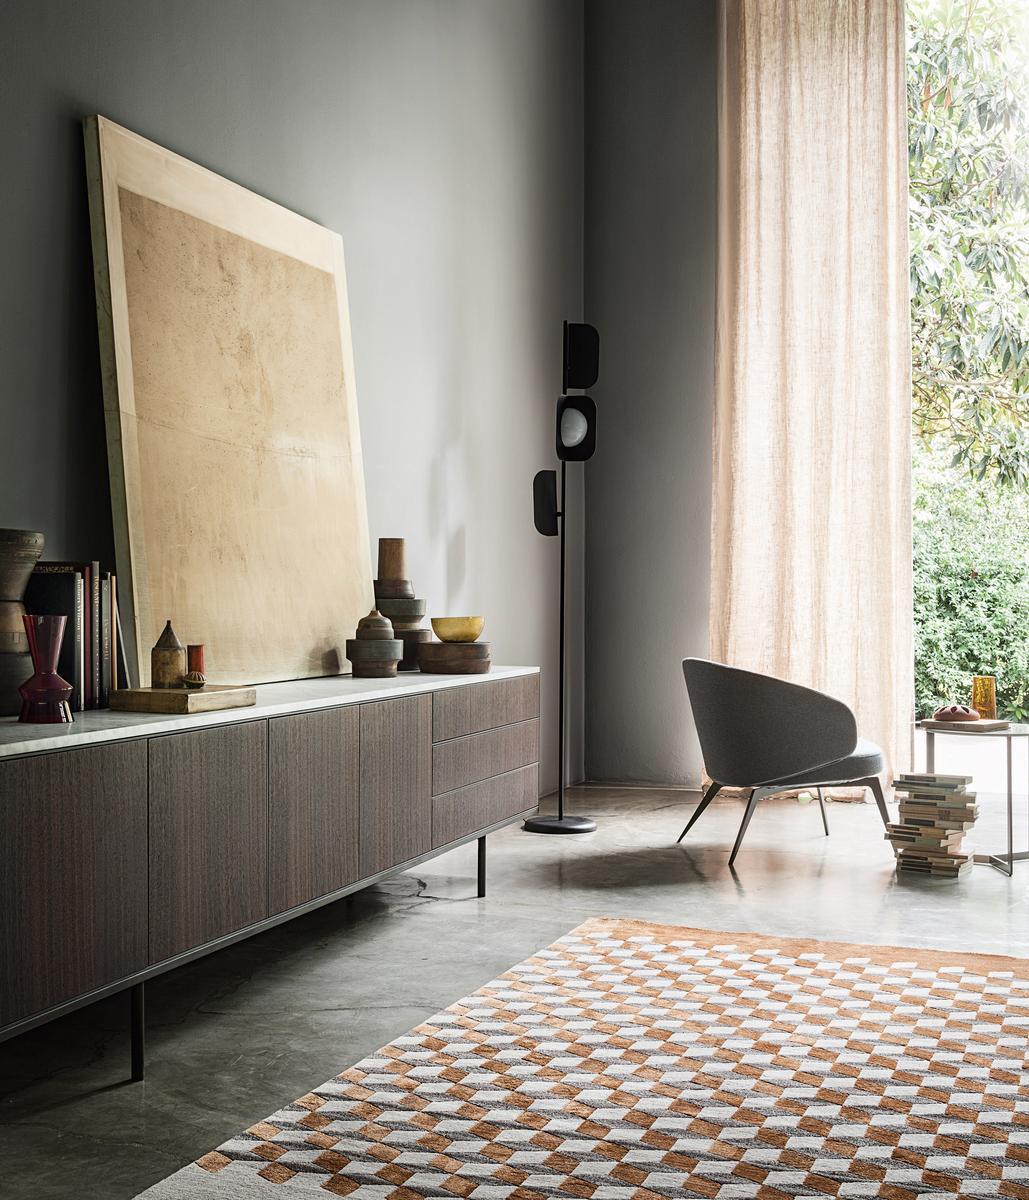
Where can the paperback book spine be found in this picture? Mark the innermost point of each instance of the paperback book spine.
(87, 639)
(105, 641)
(934, 795)
(114, 633)
(80, 642)
(936, 820)
(944, 781)
(97, 637)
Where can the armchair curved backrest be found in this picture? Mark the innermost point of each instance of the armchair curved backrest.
(755, 729)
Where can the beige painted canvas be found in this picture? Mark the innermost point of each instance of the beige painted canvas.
(237, 484)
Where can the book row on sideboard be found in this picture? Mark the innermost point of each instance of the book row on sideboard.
(91, 657)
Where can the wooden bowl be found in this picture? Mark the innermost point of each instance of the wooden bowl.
(454, 658)
(458, 629)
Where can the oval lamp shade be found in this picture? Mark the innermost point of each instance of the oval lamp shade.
(574, 427)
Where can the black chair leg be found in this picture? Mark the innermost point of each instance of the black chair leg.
(709, 795)
(755, 795)
(821, 805)
(875, 783)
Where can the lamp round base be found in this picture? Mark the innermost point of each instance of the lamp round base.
(559, 825)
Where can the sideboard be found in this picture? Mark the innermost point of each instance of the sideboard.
(134, 843)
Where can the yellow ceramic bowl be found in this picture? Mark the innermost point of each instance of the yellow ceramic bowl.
(457, 629)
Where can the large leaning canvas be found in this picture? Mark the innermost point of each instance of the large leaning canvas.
(233, 444)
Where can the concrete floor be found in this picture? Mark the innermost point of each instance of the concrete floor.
(235, 1036)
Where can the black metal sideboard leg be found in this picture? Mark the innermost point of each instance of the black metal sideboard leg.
(138, 1030)
(482, 867)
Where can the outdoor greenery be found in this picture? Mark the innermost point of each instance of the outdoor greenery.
(968, 141)
(971, 590)
(968, 98)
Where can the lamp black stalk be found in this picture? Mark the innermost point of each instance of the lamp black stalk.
(576, 442)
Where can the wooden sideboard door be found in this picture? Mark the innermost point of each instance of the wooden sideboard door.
(208, 835)
(314, 775)
(73, 879)
(396, 782)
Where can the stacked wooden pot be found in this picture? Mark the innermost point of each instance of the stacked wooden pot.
(392, 637)
(374, 652)
(395, 598)
(19, 552)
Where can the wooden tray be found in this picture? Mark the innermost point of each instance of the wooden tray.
(210, 698)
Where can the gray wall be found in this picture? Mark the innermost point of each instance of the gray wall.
(442, 139)
(651, 161)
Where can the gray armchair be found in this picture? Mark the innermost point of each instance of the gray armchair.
(770, 736)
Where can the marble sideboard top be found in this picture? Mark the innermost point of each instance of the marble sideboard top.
(273, 700)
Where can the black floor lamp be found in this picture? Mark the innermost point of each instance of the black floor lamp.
(576, 442)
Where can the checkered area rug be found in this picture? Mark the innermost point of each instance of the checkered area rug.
(631, 1061)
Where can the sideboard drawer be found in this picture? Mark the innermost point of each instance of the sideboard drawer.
(459, 813)
(465, 760)
(460, 711)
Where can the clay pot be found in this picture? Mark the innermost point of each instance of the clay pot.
(374, 652)
(20, 550)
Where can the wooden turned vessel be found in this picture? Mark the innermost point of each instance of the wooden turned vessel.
(392, 559)
(395, 599)
(19, 552)
(404, 613)
(454, 658)
(412, 639)
(394, 589)
(167, 660)
(374, 653)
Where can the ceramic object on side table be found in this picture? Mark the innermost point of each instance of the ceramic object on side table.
(956, 712)
(984, 696)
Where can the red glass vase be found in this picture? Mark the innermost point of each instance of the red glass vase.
(44, 697)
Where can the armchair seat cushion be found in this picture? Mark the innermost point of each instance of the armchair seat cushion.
(865, 760)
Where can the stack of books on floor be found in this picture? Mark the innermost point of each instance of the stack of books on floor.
(936, 811)
(91, 649)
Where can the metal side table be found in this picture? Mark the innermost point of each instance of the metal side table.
(1002, 862)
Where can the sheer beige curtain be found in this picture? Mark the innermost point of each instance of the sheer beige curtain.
(811, 575)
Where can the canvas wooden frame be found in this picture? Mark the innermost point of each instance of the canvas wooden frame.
(205, 547)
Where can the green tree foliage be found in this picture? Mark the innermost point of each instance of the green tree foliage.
(968, 98)
(971, 576)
